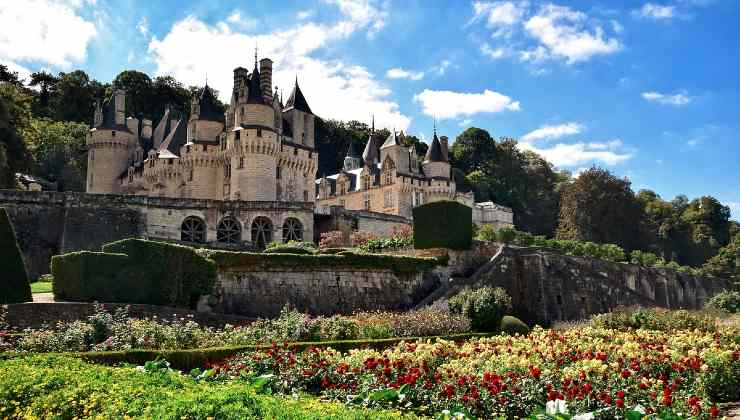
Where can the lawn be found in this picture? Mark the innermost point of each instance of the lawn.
(41, 287)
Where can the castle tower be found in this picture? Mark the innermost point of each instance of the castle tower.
(301, 118)
(266, 79)
(394, 148)
(435, 164)
(111, 145)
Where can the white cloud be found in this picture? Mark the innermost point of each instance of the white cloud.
(334, 89)
(678, 99)
(399, 73)
(143, 26)
(363, 11)
(655, 11)
(616, 26)
(573, 154)
(442, 67)
(23, 72)
(45, 31)
(492, 53)
(465, 123)
(445, 104)
(237, 20)
(565, 33)
(304, 14)
(552, 132)
(499, 14)
(734, 208)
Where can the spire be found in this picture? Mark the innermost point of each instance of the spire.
(207, 105)
(434, 153)
(392, 140)
(297, 100)
(352, 150)
(255, 90)
(370, 154)
(372, 130)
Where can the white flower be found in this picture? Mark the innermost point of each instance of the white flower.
(555, 407)
(584, 416)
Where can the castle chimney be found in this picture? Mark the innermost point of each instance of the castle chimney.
(240, 73)
(146, 129)
(120, 103)
(266, 79)
(443, 141)
(98, 118)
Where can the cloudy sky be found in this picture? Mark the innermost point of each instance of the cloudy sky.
(647, 89)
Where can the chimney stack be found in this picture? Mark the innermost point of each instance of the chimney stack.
(146, 129)
(266, 79)
(98, 118)
(120, 103)
(443, 141)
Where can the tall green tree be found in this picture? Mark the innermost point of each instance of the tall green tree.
(75, 97)
(166, 90)
(14, 285)
(139, 93)
(472, 150)
(599, 207)
(47, 89)
(8, 76)
(59, 153)
(708, 223)
(15, 119)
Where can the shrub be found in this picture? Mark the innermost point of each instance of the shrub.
(87, 276)
(417, 323)
(725, 301)
(443, 224)
(512, 325)
(332, 239)
(46, 278)
(291, 247)
(339, 328)
(506, 235)
(361, 237)
(722, 380)
(486, 233)
(655, 319)
(646, 259)
(485, 307)
(14, 285)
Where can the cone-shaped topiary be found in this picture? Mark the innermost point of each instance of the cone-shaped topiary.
(512, 325)
(14, 286)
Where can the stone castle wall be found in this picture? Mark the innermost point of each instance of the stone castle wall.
(51, 223)
(263, 291)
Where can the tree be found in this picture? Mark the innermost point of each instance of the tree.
(58, 150)
(708, 223)
(602, 208)
(472, 150)
(139, 93)
(15, 116)
(75, 97)
(726, 264)
(14, 286)
(47, 84)
(166, 90)
(10, 76)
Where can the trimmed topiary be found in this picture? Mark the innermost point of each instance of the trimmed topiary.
(88, 276)
(512, 325)
(443, 224)
(14, 285)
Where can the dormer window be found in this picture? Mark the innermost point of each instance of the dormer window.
(259, 132)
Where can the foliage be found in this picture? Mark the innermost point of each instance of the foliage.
(442, 224)
(291, 247)
(726, 264)
(512, 325)
(14, 286)
(89, 276)
(591, 370)
(485, 307)
(333, 138)
(725, 301)
(41, 287)
(646, 259)
(418, 323)
(473, 150)
(59, 152)
(332, 239)
(15, 120)
(397, 264)
(655, 319)
(400, 237)
(65, 387)
(361, 237)
(600, 207)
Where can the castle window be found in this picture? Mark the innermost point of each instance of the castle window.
(305, 195)
(193, 229)
(261, 232)
(169, 161)
(229, 231)
(227, 171)
(241, 162)
(292, 230)
(342, 203)
(187, 149)
(241, 110)
(366, 198)
(303, 138)
(205, 147)
(295, 151)
(277, 172)
(92, 156)
(388, 199)
(112, 133)
(238, 135)
(190, 175)
(259, 132)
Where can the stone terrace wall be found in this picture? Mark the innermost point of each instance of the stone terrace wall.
(263, 291)
(348, 221)
(547, 286)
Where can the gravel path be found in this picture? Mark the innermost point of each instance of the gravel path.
(43, 297)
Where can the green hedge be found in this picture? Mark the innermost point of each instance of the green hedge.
(512, 325)
(134, 271)
(443, 224)
(87, 276)
(14, 285)
(398, 264)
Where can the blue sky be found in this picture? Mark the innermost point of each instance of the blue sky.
(647, 89)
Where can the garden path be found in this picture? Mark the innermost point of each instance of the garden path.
(43, 297)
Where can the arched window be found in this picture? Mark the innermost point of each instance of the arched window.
(388, 169)
(261, 232)
(229, 231)
(193, 229)
(292, 230)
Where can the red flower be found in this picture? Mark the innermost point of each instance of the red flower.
(620, 394)
(448, 390)
(620, 403)
(626, 374)
(535, 372)
(714, 411)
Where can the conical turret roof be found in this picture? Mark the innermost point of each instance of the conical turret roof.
(297, 100)
(434, 154)
(255, 91)
(207, 104)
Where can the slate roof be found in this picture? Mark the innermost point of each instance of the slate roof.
(162, 130)
(392, 140)
(371, 155)
(255, 91)
(352, 150)
(434, 153)
(170, 148)
(297, 100)
(109, 118)
(209, 111)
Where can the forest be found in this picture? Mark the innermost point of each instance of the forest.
(43, 122)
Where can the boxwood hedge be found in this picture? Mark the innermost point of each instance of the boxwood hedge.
(88, 276)
(14, 285)
(443, 224)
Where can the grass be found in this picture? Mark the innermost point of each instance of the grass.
(41, 287)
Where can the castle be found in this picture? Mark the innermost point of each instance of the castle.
(262, 152)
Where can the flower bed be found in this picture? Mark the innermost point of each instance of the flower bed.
(46, 387)
(604, 372)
